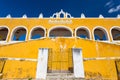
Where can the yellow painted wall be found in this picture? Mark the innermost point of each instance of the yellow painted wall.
(91, 23)
(19, 69)
(90, 49)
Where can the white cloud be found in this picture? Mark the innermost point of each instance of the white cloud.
(109, 4)
(114, 9)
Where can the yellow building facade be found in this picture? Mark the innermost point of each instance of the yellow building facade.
(98, 39)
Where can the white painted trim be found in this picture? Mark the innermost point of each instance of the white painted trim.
(78, 65)
(16, 28)
(35, 28)
(101, 58)
(35, 60)
(65, 18)
(42, 64)
(19, 59)
(7, 34)
(85, 28)
(111, 33)
(60, 26)
(104, 30)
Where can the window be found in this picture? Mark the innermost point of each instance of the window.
(60, 32)
(37, 33)
(116, 33)
(3, 33)
(83, 33)
(100, 34)
(19, 34)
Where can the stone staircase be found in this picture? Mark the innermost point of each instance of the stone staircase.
(62, 76)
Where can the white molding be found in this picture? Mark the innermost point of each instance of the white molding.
(14, 30)
(3, 26)
(104, 30)
(35, 28)
(60, 26)
(83, 27)
(111, 33)
(42, 63)
(63, 18)
(78, 65)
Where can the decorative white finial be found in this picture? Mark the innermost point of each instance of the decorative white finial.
(118, 16)
(62, 11)
(61, 14)
(101, 16)
(24, 16)
(82, 15)
(41, 15)
(8, 16)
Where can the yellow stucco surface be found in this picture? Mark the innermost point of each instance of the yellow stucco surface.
(60, 57)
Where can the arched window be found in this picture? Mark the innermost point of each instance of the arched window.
(60, 32)
(116, 33)
(83, 33)
(19, 34)
(100, 34)
(3, 33)
(37, 33)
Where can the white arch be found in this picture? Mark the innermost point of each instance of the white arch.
(83, 27)
(3, 26)
(35, 28)
(60, 26)
(104, 30)
(14, 30)
(114, 27)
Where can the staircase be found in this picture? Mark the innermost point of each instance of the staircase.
(61, 76)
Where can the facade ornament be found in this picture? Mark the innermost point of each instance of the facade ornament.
(101, 16)
(82, 15)
(61, 14)
(118, 16)
(8, 16)
(24, 16)
(41, 15)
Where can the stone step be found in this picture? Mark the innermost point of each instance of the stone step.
(51, 74)
(62, 76)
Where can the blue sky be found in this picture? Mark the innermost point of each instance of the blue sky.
(32, 8)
